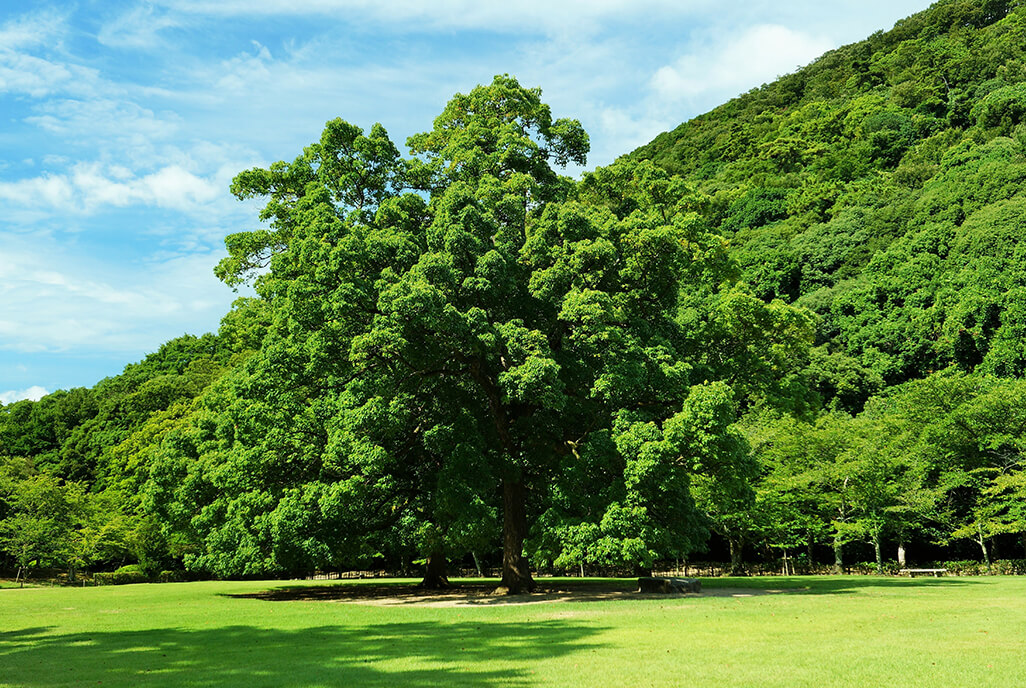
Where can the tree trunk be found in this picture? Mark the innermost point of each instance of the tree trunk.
(477, 564)
(516, 574)
(436, 573)
(736, 550)
(901, 554)
(983, 546)
(838, 555)
(879, 553)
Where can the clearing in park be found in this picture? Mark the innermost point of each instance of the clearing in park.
(796, 631)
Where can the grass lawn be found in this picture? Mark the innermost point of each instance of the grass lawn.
(858, 631)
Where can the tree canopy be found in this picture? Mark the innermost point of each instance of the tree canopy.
(472, 347)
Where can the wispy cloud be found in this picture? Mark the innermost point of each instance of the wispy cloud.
(47, 189)
(537, 16)
(37, 77)
(32, 29)
(139, 27)
(58, 302)
(26, 68)
(33, 393)
(103, 118)
(718, 69)
(91, 186)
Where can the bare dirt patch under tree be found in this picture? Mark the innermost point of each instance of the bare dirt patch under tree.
(481, 593)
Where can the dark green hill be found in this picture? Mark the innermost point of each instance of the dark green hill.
(882, 187)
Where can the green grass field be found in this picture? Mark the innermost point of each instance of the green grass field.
(858, 631)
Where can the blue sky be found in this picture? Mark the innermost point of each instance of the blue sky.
(124, 122)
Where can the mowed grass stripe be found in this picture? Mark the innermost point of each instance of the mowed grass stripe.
(817, 632)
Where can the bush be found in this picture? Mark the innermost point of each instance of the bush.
(1001, 567)
(172, 577)
(1010, 567)
(132, 573)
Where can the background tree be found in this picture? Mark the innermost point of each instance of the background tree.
(45, 521)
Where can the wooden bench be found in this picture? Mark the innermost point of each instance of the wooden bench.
(937, 573)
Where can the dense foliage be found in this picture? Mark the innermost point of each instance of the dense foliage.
(882, 188)
(795, 323)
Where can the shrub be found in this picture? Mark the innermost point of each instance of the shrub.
(132, 573)
(171, 577)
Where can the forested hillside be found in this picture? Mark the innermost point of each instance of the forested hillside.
(882, 188)
(74, 465)
(790, 328)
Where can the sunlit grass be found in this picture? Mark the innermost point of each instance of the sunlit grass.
(799, 632)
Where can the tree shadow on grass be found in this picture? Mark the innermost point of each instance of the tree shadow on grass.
(833, 585)
(461, 593)
(391, 654)
(478, 593)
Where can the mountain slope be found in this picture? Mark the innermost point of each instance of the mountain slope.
(882, 187)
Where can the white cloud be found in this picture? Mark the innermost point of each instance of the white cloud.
(278, 103)
(175, 187)
(91, 186)
(47, 189)
(140, 27)
(37, 77)
(623, 131)
(33, 393)
(244, 71)
(534, 16)
(32, 29)
(572, 18)
(23, 72)
(58, 302)
(735, 65)
(96, 119)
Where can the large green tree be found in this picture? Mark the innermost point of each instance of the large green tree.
(445, 358)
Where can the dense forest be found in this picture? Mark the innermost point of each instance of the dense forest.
(791, 329)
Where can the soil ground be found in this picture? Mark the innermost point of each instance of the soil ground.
(478, 594)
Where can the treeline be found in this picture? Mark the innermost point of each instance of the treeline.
(790, 327)
(74, 465)
(934, 465)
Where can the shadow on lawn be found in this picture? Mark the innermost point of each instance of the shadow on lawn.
(461, 593)
(473, 594)
(430, 654)
(831, 585)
